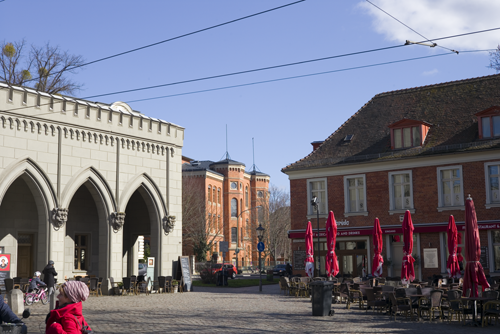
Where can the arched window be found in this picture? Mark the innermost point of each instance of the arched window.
(214, 198)
(218, 195)
(234, 207)
(209, 193)
(241, 204)
(246, 196)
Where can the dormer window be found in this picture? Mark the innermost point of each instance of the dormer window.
(489, 122)
(408, 133)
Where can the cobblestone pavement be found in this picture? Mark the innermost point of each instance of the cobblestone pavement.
(231, 310)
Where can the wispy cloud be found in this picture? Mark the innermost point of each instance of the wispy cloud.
(431, 72)
(434, 19)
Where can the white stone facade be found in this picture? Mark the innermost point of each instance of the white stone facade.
(70, 168)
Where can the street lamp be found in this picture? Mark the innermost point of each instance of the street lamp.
(260, 235)
(237, 250)
(315, 203)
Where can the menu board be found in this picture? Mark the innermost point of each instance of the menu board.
(484, 260)
(186, 272)
(299, 259)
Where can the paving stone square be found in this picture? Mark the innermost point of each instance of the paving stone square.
(237, 310)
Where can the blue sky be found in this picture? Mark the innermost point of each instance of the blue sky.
(283, 116)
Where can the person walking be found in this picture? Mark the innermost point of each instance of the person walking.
(48, 277)
(288, 269)
(68, 317)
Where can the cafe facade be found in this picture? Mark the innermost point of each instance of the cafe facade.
(423, 149)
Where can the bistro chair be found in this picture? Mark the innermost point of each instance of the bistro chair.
(17, 283)
(143, 286)
(9, 284)
(93, 286)
(168, 284)
(455, 304)
(25, 283)
(284, 284)
(114, 286)
(161, 284)
(374, 301)
(128, 286)
(491, 309)
(431, 305)
(99, 286)
(491, 294)
(400, 305)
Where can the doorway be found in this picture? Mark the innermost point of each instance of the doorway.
(352, 256)
(25, 255)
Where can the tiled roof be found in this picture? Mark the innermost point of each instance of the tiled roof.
(449, 107)
(228, 162)
(202, 166)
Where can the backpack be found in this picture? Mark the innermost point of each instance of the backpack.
(83, 329)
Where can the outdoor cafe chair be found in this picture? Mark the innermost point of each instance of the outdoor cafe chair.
(431, 304)
(99, 286)
(143, 286)
(491, 294)
(161, 284)
(128, 286)
(114, 286)
(17, 283)
(93, 287)
(455, 304)
(284, 284)
(400, 305)
(356, 294)
(377, 302)
(25, 283)
(168, 284)
(491, 309)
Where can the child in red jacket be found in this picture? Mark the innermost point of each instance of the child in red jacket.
(68, 318)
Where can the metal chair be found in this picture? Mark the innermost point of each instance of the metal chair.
(432, 304)
(400, 305)
(9, 284)
(99, 286)
(128, 286)
(491, 309)
(374, 301)
(93, 286)
(114, 286)
(143, 286)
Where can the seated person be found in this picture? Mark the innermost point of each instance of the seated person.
(7, 316)
(36, 282)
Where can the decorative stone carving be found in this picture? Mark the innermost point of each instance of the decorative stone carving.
(117, 220)
(168, 224)
(59, 217)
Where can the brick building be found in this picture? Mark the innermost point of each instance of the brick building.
(228, 196)
(422, 149)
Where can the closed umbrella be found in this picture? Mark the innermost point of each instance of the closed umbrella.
(474, 273)
(332, 264)
(407, 270)
(460, 257)
(309, 251)
(378, 260)
(452, 264)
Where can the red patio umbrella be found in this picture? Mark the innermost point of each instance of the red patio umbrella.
(460, 258)
(407, 270)
(378, 260)
(474, 274)
(452, 264)
(309, 251)
(332, 264)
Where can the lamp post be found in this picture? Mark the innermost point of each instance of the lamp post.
(260, 235)
(315, 203)
(237, 250)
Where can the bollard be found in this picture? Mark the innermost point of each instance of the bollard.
(16, 302)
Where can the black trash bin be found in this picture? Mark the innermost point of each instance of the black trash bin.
(321, 298)
(221, 278)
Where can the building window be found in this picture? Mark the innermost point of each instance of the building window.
(490, 126)
(234, 207)
(11, 94)
(400, 190)
(407, 137)
(317, 187)
(492, 171)
(260, 194)
(25, 97)
(218, 195)
(234, 185)
(81, 243)
(450, 190)
(234, 231)
(246, 196)
(209, 193)
(355, 194)
(248, 228)
(496, 249)
(214, 196)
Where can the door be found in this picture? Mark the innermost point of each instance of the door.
(25, 255)
(352, 257)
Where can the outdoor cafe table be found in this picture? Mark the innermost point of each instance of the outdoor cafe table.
(475, 300)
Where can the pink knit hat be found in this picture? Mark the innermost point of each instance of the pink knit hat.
(76, 291)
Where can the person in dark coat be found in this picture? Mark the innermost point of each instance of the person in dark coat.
(6, 315)
(48, 277)
(288, 269)
(36, 282)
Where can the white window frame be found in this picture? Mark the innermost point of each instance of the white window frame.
(441, 206)
(347, 212)
(491, 253)
(489, 203)
(310, 211)
(392, 202)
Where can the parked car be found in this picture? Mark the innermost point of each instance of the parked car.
(279, 269)
(143, 269)
(231, 269)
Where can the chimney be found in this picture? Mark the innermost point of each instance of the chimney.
(316, 144)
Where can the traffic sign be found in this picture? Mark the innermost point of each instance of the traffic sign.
(224, 246)
(260, 246)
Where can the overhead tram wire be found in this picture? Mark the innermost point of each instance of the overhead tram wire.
(293, 77)
(173, 38)
(407, 26)
(283, 65)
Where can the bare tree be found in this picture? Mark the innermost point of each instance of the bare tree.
(201, 220)
(275, 218)
(50, 64)
(495, 59)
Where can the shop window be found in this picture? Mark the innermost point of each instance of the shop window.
(355, 194)
(492, 171)
(400, 190)
(81, 244)
(450, 190)
(496, 249)
(317, 187)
